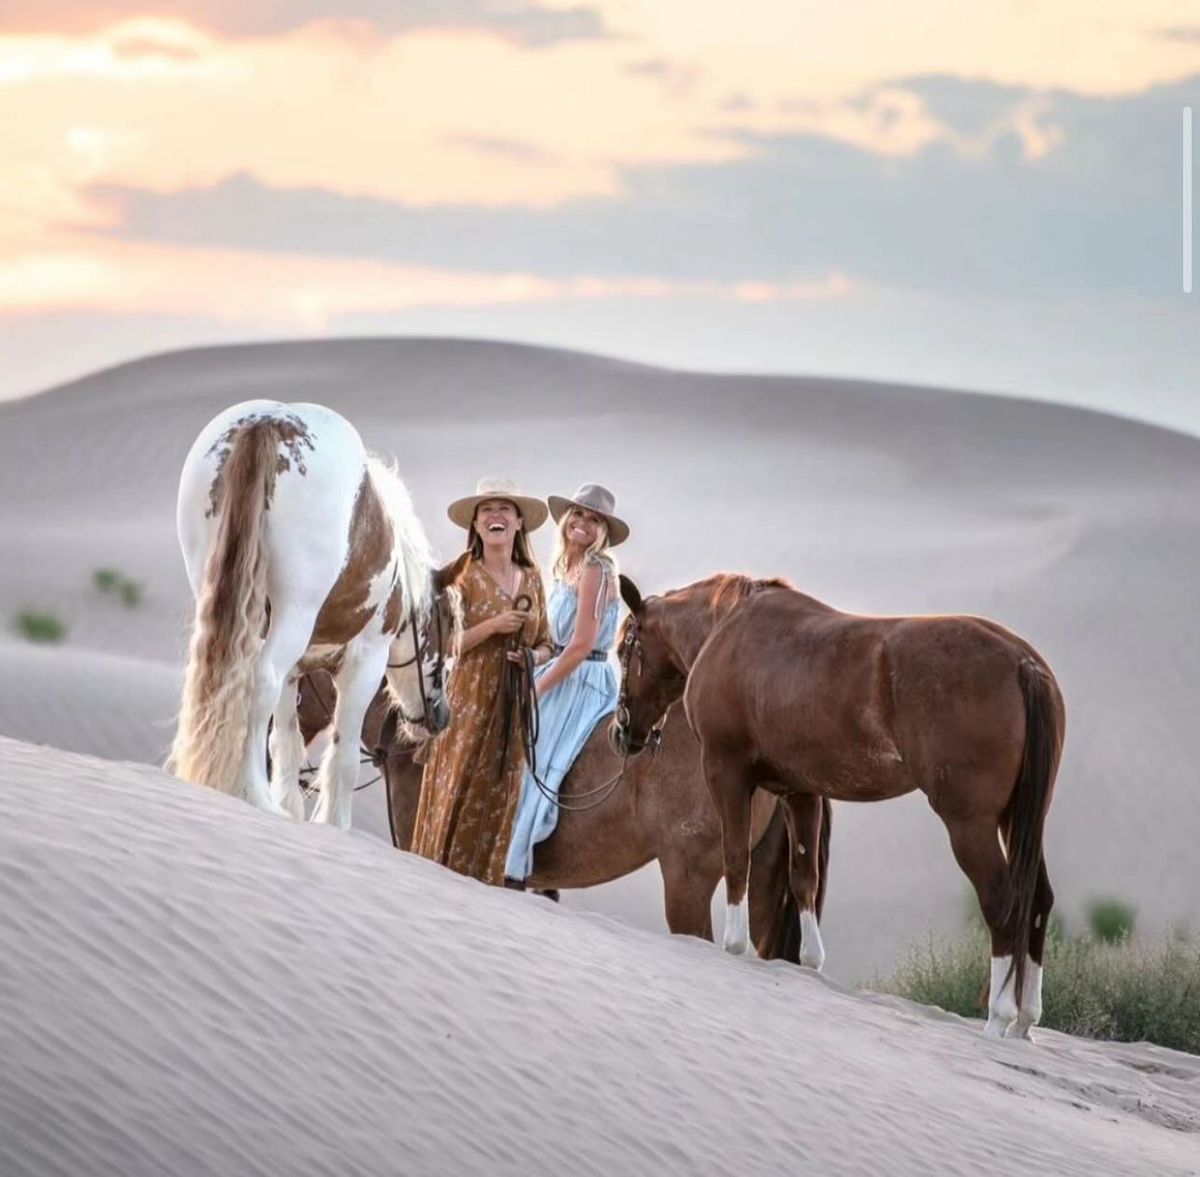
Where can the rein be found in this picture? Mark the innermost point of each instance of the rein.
(631, 647)
(387, 733)
(418, 657)
(520, 694)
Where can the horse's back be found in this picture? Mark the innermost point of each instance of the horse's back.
(315, 443)
(826, 695)
(967, 672)
(319, 469)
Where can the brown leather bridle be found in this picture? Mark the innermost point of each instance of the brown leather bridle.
(420, 649)
(631, 647)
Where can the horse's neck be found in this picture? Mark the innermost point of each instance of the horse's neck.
(687, 625)
(691, 617)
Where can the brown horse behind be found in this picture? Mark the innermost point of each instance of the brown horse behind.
(787, 694)
(660, 811)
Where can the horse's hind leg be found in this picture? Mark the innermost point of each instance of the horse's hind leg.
(363, 666)
(287, 750)
(732, 791)
(286, 642)
(1030, 1012)
(802, 812)
(976, 845)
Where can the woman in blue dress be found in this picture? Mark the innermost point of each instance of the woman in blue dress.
(578, 687)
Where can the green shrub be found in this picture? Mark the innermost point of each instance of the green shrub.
(131, 593)
(40, 627)
(1110, 920)
(106, 579)
(1127, 990)
(109, 580)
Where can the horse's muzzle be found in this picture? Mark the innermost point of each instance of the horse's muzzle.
(439, 716)
(620, 740)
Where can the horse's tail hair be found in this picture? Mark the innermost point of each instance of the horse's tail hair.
(823, 854)
(1025, 818)
(774, 916)
(230, 619)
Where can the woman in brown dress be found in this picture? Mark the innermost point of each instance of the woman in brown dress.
(468, 797)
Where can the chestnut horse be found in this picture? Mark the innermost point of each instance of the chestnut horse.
(660, 811)
(301, 551)
(788, 694)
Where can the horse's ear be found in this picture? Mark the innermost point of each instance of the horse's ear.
(444, 577)
(630, 594)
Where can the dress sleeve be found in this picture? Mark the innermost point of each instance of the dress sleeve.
(470, 589)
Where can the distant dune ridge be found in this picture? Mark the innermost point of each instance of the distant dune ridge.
(1076, 529)
(190, 986)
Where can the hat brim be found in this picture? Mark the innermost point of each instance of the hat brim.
(533, 511)
(618, 529)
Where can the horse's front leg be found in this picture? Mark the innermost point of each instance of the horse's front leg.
(357, 681)
(689, 877)
(732, 791)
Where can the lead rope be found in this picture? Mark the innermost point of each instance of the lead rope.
(529, 715)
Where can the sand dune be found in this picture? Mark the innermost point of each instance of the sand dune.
(1074, 528)
(190, 986)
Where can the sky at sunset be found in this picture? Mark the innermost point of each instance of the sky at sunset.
(983, 195)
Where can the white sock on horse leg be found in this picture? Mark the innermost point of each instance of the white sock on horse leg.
(737, 927)
(335, 784)
(287, 753)
(1002, 1005)
(812, 951)
(1030, 1012)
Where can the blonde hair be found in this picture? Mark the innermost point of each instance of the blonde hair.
(598, 552)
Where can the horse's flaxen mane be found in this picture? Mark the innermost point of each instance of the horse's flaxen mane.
(416, 556)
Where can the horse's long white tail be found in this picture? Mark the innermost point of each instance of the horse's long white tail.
(230, 619)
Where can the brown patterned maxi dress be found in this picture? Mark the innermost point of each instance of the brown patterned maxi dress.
(468, 801)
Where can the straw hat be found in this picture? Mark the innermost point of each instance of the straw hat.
(591, 496)
(462, 511)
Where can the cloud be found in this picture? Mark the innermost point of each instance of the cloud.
(677, 76)
(1097, 213)
(388, 118)
(737, 103)
(509, 149)
(299, 291)
(524, 24)
(1188, 34)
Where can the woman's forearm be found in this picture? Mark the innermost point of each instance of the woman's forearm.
(472, 636)
(564, 664)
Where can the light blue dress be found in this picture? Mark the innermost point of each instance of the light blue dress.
(568, 715)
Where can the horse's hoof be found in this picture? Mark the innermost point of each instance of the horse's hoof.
(267, 805)
(291, 807)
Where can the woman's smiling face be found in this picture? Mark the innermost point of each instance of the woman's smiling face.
(582, 527)
(497, 521)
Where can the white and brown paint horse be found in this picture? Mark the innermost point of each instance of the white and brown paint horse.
(302, 552)
(792, 696)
